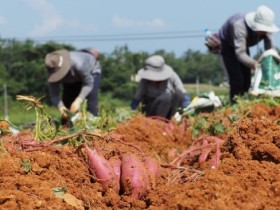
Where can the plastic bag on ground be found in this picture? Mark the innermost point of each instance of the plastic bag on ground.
(266, 79)
(207, 100)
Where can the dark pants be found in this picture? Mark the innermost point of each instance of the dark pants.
(71, 91)
(165, 105)
(239, 74)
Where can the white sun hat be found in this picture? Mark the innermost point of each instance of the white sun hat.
(262, 20)
(155, 69)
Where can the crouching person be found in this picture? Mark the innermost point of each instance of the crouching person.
(160, 91)
(76, 74)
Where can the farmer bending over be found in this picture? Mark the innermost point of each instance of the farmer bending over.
(79, 75)
(238, 33)
(160, 90)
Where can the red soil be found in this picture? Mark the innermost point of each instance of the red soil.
(248, 176)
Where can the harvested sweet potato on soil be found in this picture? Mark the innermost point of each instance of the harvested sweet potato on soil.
(134, 178)
(247, 176)
(102, 170)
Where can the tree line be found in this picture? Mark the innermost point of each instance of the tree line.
(22, 68)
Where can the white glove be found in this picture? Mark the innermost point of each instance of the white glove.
(256, 66)
(75, 106)
(63, 111)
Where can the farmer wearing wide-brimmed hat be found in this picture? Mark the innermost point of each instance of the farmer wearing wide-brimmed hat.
(75, 71)
(238, 33)
(160, 90)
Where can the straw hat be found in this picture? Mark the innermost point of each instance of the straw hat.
(262, 20)
(58, 64)
(155, 69)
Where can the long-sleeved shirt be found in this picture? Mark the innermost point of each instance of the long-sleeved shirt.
(154, 89)
(82, 69)
(236, 34)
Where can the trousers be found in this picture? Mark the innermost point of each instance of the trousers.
(71, 91)
(239, 75)
(165, 105)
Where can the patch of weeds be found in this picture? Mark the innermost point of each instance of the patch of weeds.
(26, 166)
(45, 127)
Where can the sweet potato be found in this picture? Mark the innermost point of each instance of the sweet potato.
(116, 164)
(102, 170)
(153, 169)
(134, 178)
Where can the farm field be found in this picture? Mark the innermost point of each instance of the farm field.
(26, 116)
(226, 159)
(198, 89)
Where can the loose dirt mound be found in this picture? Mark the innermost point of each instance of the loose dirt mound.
(57, 177)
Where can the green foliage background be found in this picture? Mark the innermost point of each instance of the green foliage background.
(22, 70)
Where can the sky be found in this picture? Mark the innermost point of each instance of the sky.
(142, 25)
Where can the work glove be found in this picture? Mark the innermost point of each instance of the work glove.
(75, 106)
(257, 65)
(186, 101)
(63, 112)
(134, 103)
